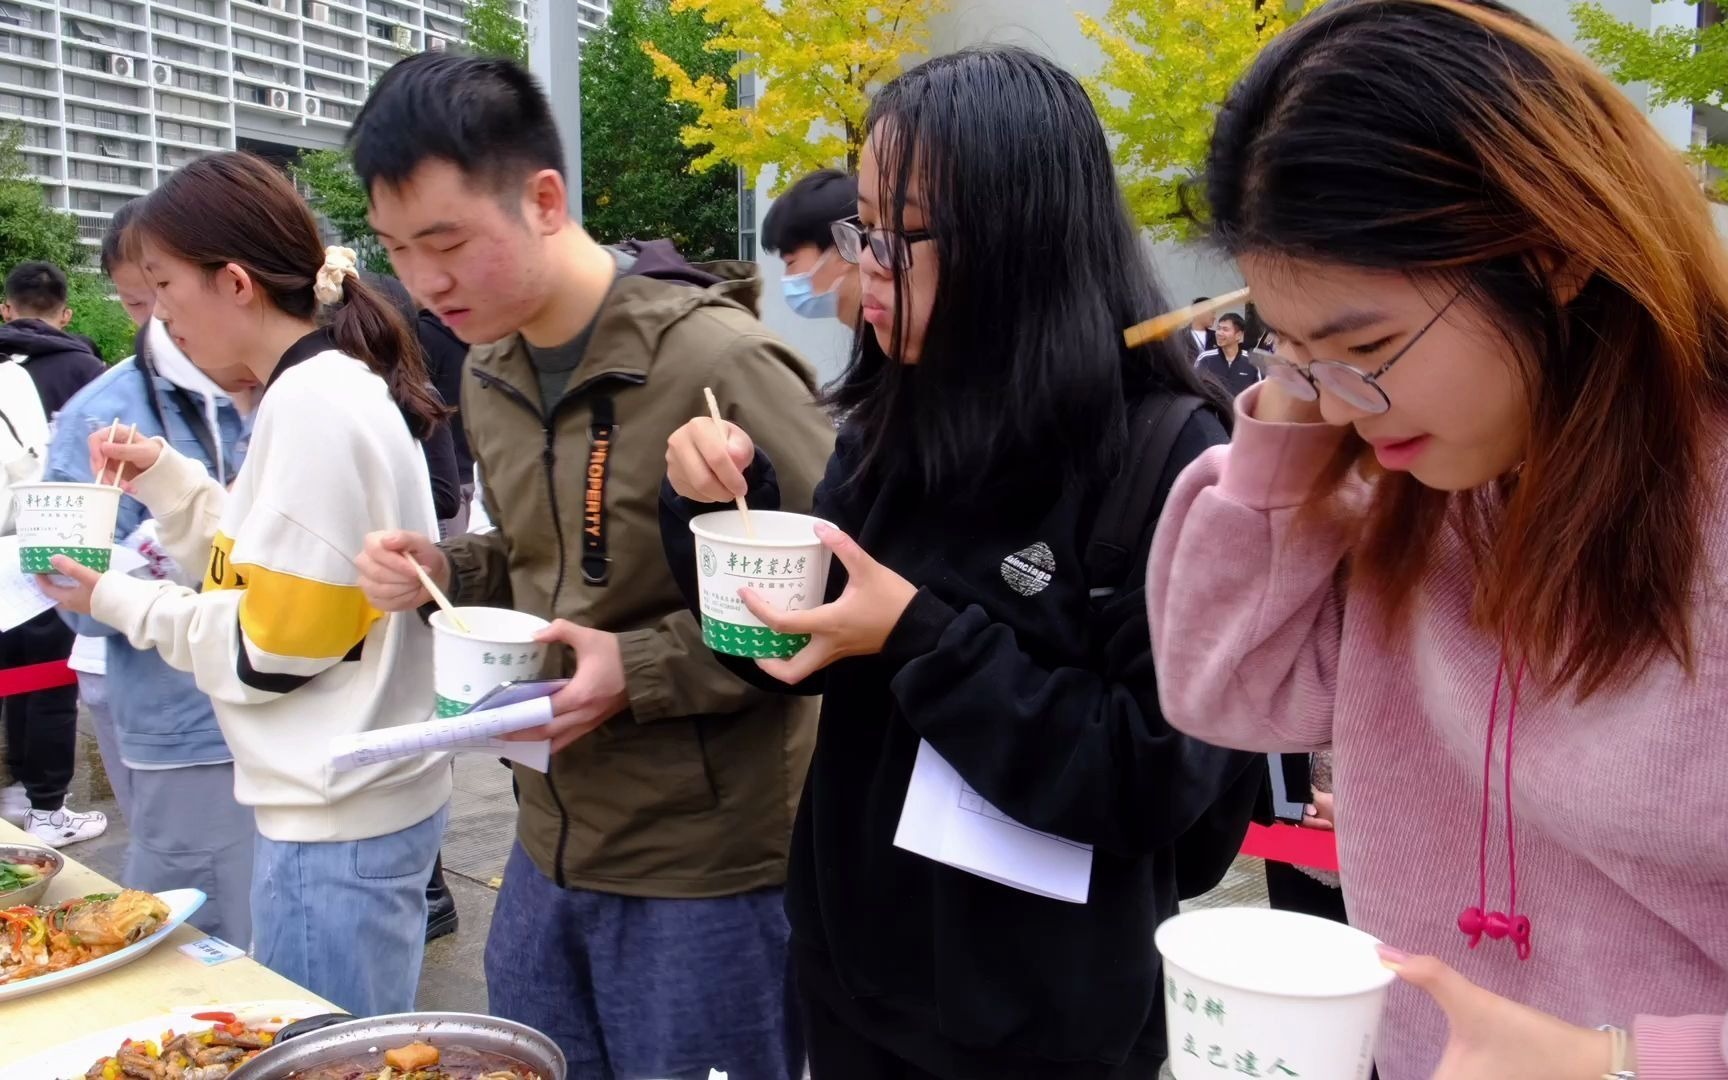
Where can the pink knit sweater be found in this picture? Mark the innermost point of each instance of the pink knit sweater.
(1620, 803)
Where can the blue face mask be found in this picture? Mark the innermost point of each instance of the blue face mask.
(804, 300)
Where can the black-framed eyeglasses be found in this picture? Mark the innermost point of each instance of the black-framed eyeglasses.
(892, 250)
(1354, 387)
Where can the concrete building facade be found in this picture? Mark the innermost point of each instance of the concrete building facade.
(112, 95)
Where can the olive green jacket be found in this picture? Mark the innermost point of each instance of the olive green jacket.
(691, 792)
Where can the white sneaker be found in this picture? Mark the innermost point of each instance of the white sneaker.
(57, 828)
(14, 804)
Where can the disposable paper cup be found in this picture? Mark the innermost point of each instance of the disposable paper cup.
(499, 647)
(784, 563)
(1270, 993)
(75, 520)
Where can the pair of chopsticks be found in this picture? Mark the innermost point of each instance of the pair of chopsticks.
(1164, 325)
(114, 436)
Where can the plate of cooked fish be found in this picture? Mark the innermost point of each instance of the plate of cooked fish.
(51, 945)
(193, 1042)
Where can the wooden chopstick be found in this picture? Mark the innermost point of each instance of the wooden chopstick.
(438, 596)
(1164, 325)
(714, 411)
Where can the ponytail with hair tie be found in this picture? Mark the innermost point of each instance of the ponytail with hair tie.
(328, 285)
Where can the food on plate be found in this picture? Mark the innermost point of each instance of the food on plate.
(212, 1054)
(17, 874)
(39, 940)
(422, 1061)
(416, 1055)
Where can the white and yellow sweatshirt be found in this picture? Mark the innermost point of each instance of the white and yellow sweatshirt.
(281, 637)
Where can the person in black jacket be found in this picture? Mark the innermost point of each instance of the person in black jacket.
(1231, 365)
(439, 446)
(985, 418)
(36, 315)
(42, 726)
(451, 486)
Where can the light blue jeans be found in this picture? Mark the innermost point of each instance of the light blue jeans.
(347, 920)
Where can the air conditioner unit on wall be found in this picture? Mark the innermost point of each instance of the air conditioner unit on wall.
(161, 74)
(121, 66)
(314, 107)
(279, 5)
(436, 44)
(278, 99)
(319, 12)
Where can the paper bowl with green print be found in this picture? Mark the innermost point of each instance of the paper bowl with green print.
(498, 646)
(75, 520)
(1275, 994)
(783, 562)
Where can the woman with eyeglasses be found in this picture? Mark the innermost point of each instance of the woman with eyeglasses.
(1478, 533)
(985, 422)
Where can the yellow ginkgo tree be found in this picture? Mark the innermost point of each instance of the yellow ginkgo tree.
(1168, 65)
(816, 65)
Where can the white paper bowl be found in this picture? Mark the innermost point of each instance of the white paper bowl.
(499, 647)
(1274, 992)
(75, 520)
(784, 563)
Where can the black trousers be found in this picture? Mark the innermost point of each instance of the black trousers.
(41, 727)
(839, 1053)
(1289, 889)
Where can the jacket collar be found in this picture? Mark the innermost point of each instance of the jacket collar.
(626, 339)
(318, 341)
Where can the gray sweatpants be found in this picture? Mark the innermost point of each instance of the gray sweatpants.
(93, 692)
(189, 833)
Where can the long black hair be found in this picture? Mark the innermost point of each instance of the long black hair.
(1023, 369)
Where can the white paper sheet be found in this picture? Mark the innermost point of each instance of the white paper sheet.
(945, 820)
(469, 731)
(21, 599)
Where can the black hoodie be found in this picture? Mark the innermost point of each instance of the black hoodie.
(1047, 708)
(59, 364)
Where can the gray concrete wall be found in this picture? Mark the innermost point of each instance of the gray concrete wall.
(554, 56)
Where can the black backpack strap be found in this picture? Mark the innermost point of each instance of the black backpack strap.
(1133, 500)
(1115, 558)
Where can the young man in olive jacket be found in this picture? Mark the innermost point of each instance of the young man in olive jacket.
(640, 922)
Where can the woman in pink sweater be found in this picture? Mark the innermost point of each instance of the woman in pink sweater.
(1477, 534)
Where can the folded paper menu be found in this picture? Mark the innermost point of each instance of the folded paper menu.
(467, 731)
(944, 819)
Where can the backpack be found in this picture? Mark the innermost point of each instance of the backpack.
(1115, 557)
(23, 436)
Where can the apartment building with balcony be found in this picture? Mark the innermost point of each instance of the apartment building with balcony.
(591, 15)
(112, 95)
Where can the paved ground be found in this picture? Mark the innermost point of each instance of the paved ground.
(481, 825)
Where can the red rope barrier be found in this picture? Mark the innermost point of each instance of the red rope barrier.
(33, 677)
(1316, 848)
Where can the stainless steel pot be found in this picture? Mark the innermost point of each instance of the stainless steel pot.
(349, 1039)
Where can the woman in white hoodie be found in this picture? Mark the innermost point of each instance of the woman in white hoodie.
(162, 748)
(280, 637)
